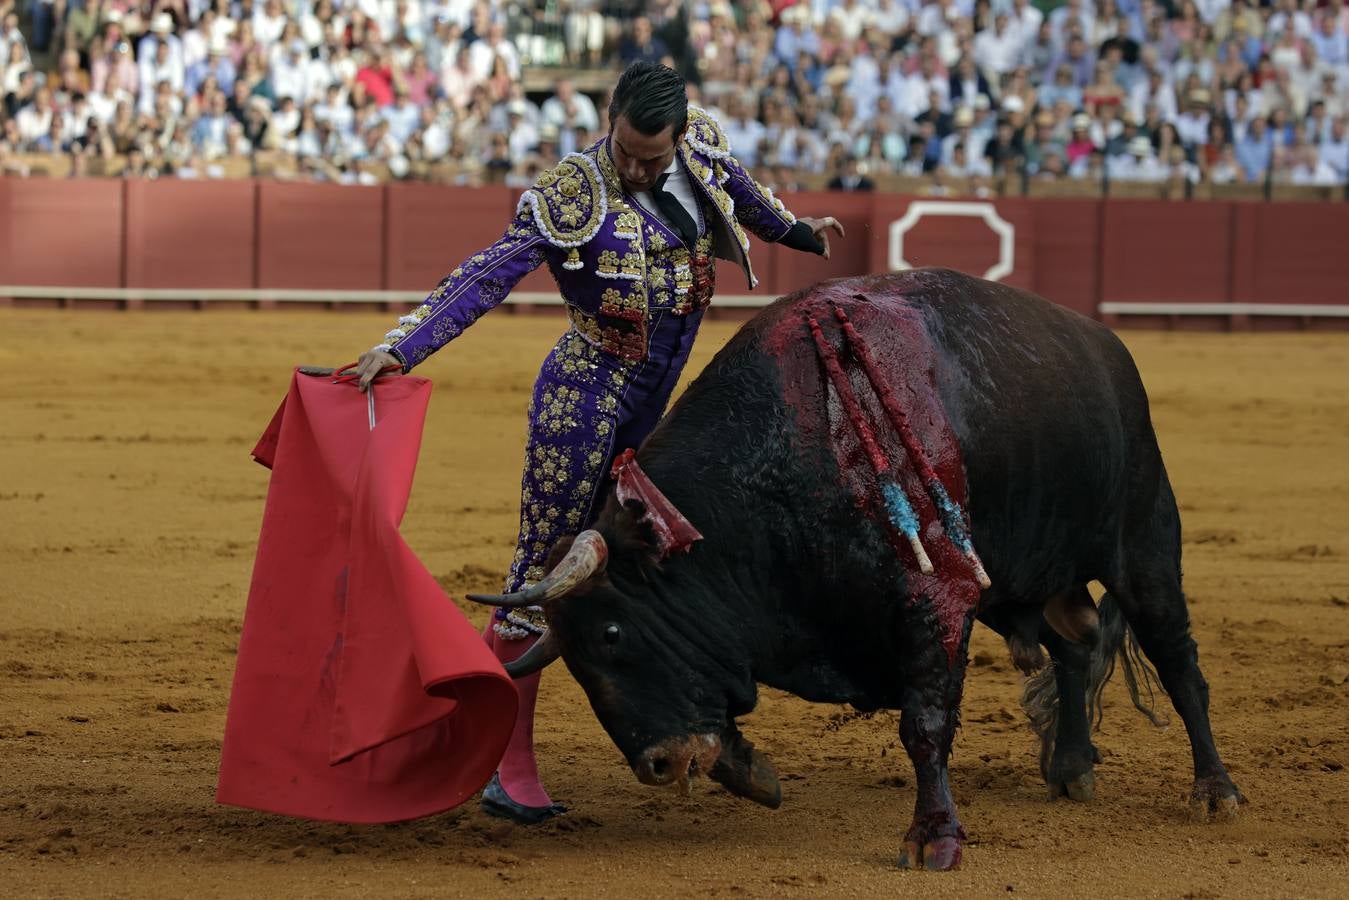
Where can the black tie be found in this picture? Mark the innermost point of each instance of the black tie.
(675, 212)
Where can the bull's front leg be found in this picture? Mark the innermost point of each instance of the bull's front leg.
(928, 721)
(744, 771)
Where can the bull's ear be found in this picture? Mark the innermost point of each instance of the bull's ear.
(634, 532)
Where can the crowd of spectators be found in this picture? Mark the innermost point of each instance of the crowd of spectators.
(847, 90)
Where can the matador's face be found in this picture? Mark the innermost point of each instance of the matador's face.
(641, 158)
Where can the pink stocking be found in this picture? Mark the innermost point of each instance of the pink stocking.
(518, 770)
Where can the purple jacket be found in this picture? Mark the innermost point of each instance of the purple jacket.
(611, 258)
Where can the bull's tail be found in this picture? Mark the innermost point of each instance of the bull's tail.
(1040, 697)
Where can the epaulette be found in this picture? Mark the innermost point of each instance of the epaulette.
(705, 135)
(568, 202)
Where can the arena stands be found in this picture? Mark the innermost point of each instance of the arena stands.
(936, 96)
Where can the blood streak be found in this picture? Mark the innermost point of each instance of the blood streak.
(902, 351)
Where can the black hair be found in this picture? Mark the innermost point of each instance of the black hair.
(651, 97)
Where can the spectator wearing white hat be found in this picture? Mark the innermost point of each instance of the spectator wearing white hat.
(795, 36)
(1192, 125)
(163, 69)
(1080, 144)
(1138, 165)
(154, 65)
(962, 135)
(217, 65)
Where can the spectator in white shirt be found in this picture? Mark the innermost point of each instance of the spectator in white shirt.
(1192, 125)
(1139, 165)
(1310, 170)
(458, 78)
(291, 72)
(35, 119)
(286, 119)
(163, 68)
(483, 53)
(435, 133)
(852, 17)
(997, 49)
(268, 23)
(402, 115)
(744, 132)
(1335, 149)
(147, 52)
(523, 137)
(1025, 21)
(336, 111)
(568, 108)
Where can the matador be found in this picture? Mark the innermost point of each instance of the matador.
(630, 229)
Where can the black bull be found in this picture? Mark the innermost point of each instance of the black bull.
(799, 584)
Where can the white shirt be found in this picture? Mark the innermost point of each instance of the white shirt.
(997, 51)
(678, 185)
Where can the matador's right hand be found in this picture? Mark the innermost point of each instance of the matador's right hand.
(372, 363)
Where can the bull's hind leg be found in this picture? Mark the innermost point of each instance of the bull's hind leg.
(1067, 755)
(929, 717)
(1150, 596)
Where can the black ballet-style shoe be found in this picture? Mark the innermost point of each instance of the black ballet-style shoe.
(496, 802)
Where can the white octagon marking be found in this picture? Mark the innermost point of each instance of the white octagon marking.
(1005, 231)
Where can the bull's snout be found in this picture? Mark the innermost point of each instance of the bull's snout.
(676, 759)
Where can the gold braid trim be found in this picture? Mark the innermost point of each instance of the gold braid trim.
(568, 202)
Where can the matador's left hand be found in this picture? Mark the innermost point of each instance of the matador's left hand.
(821, 228)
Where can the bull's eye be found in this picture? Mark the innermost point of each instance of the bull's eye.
(611, 634)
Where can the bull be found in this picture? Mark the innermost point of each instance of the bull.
(1032, 416)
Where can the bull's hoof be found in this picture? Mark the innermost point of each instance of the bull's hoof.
(746, 772)
(1082, 788)
(939, 854)
(1070, 774)
(1215, 799)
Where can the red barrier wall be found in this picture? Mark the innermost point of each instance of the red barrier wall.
(61, 232)
(93, 233)
(170, 243)
(320, 236)
(430, 229)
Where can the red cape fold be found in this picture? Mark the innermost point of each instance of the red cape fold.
(361, 693)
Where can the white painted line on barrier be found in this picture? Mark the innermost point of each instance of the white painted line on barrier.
(1143, 308)
(1005, 231)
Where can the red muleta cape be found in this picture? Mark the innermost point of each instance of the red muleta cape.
(361, 693)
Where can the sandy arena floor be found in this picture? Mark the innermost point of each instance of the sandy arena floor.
(128, 514)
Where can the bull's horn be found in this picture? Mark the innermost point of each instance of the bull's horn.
(587, 557)
(544, 651)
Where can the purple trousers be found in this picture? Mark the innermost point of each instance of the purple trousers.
(587, 407)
